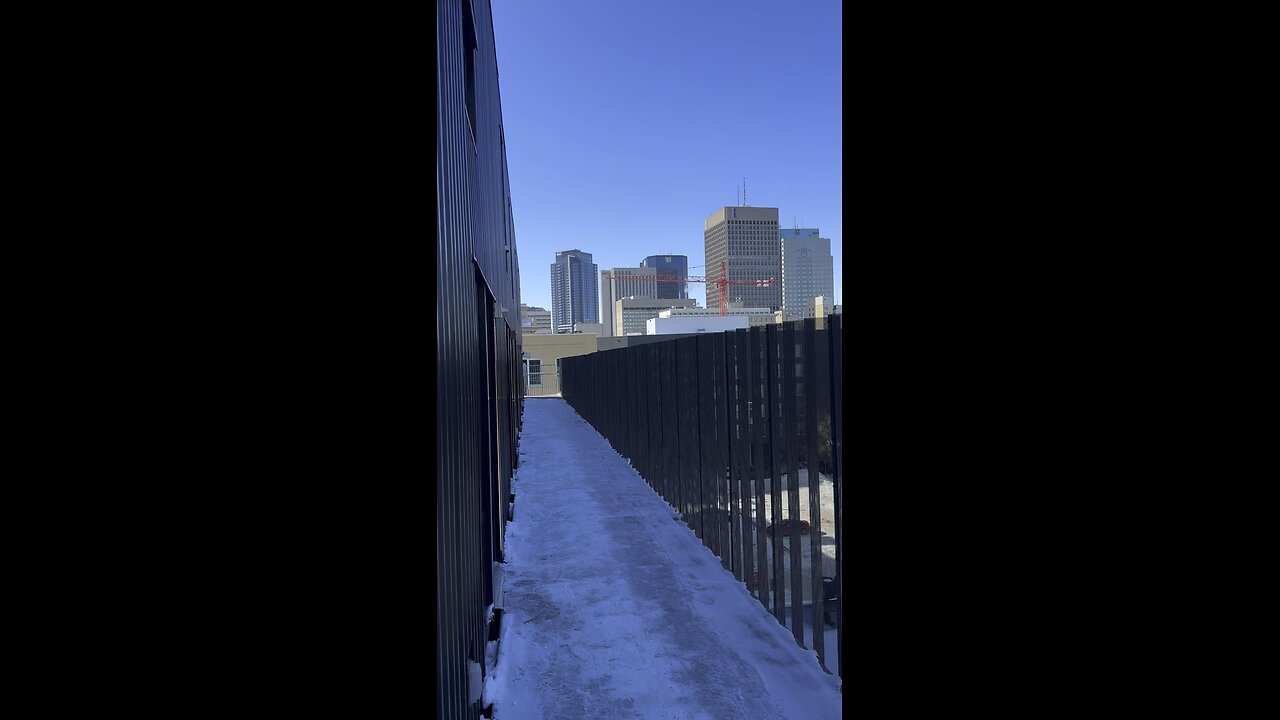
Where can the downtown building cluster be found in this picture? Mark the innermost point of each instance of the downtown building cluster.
(746, 241)
(599, 309)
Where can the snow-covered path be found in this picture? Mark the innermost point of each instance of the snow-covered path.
(614, 609)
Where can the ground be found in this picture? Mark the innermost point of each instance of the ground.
(614, 609)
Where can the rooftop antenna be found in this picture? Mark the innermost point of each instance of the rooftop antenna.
(744, 193)
(795, 223)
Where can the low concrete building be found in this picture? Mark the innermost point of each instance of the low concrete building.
(542, 354)
(820, 307)
(755, 316)
(596, 329)
(534, 320)
(630, 314)
(666, 324)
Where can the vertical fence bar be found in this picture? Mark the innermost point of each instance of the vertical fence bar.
(704, 441)
(760, 471)
(723, 475)
(813, 474)
(710, 442)
(673, 428)
(655, 423)
(730, 451)
(793, 477)
(742, 449)
(836, 339)
(776, 467)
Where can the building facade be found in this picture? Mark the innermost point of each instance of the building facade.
(574, 289)
(746, 238)
(629, 314)
(666, 324)
(754, 316)
(820, 308)
(670, 265)
(542, 354)
(479, 380)
(534, 319)
(807, 270)
(624, 283)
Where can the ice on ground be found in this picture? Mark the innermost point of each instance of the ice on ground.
(615, 610)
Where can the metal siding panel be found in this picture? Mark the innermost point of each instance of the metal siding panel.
(472, 226)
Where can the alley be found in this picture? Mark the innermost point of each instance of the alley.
(615, 610)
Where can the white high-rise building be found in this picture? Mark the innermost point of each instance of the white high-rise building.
(807, 270)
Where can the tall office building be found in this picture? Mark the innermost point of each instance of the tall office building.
(574, 290)
(624, 283)
(747, 239)
(669, 265)
(807, 270)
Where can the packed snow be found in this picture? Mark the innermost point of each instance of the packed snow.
(614, 609)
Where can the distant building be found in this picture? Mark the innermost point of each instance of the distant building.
(670, 265)
(807, 270)
(596, 329)
(665, 324)
(534, 319)
(574, 289)
(754, 316)
(629, 314)
(624, 283)
(747, 239)
(820, 308)
(542, 354)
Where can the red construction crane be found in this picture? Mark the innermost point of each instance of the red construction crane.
(722, 283)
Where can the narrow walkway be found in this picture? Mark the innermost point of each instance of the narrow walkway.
(614, 609)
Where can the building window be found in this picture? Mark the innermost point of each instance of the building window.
(535, 372)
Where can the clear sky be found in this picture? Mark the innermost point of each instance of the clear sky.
(628, 122)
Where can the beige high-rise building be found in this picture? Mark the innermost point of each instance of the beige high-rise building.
(637, 282)
(747, 239)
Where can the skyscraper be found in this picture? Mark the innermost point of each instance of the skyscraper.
(747, 239)
(669, 265)
(624, 283)
(807, 270)
(574, 289)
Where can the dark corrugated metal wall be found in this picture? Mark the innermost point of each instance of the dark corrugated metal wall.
(479, 384)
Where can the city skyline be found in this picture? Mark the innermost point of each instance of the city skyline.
(626, 155)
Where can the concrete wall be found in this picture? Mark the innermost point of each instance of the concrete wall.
(613, 343)
(548, 348)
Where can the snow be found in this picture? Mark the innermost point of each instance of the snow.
(826, 510)
(615, 609)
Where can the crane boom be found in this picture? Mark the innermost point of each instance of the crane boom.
(721, 282)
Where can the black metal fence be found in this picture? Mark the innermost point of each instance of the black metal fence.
(729, 428)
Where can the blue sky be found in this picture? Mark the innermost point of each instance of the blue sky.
(629, 121)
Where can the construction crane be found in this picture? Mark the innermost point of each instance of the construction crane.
(722, 283)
